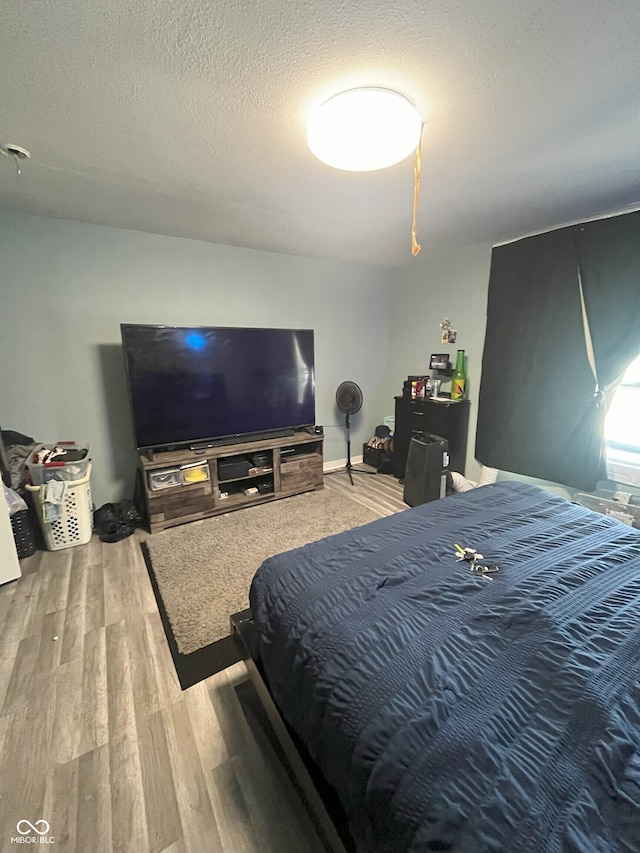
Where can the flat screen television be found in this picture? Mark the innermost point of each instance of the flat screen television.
(197, 385)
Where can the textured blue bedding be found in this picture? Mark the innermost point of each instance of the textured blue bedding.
(451, 712)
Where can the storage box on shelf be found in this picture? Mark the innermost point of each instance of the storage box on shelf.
(235, 475)
(165, 478)
(182, 475)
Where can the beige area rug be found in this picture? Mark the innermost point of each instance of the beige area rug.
(204, 569)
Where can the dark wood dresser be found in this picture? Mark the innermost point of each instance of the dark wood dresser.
(447, 418)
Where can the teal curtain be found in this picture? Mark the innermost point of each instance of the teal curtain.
(538, 413)
(608, 252)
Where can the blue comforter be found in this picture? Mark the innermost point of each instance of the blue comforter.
(451, 712)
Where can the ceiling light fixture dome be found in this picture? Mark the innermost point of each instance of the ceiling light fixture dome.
(363, 130)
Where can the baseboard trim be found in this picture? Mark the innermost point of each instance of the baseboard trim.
(338, 464)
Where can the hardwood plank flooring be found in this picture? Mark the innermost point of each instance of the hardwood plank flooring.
(93, 824)
(381, 493)
(98, 739)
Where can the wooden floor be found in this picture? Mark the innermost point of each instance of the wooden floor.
(96, 736)
(380, 492)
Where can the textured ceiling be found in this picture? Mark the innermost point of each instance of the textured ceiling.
(187, 117)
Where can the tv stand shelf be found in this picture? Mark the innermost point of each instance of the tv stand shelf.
(256, 473)
(295, 467)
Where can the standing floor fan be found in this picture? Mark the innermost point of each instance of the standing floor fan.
(349, 401)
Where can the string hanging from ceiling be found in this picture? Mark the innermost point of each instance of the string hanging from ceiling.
(417, 170)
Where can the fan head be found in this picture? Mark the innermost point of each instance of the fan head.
(349, 398)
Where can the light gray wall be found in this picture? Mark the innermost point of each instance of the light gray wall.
(425, 291)
(65, 287)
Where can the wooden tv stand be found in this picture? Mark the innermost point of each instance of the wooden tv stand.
(293, 464)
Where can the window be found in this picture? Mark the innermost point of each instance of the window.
(622, 429)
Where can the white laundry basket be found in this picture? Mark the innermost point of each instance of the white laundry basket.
(75, 525)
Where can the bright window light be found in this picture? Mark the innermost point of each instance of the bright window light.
(622, 429)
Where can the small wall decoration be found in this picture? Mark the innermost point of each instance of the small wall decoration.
(449, 335)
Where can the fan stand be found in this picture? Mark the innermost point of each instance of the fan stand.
(349, 467)
(349, 401)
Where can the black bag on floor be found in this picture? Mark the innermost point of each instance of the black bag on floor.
(113, 522)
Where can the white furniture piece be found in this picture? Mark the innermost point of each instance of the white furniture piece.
(9, 563)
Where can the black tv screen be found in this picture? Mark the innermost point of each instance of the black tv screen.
(190, 385)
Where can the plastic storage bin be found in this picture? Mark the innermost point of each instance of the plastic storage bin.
(195, 472)
(179, 475)
(42, 473)
(164, 478)
(75, 525)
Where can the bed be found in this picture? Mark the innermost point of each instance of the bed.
(450, 711)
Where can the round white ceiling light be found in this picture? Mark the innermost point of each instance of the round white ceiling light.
(363, 130)
(15, 151)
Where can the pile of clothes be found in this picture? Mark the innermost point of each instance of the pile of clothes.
(52, 500)
(53, 487)
(58, 453)
(15, 449)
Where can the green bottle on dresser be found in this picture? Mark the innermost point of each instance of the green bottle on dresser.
(459, 381)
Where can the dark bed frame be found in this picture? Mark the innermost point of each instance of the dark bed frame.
(319, 799)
